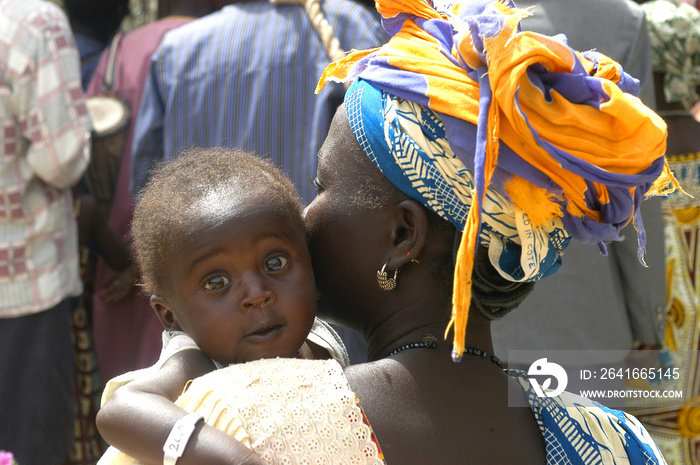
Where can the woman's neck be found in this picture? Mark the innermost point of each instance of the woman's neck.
(412, 327)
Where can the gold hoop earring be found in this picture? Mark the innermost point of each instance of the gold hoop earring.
(386, 283)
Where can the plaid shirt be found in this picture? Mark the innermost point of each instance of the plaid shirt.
(44, 149)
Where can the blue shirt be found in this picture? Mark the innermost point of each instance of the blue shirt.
(244, 77)
(90, 50)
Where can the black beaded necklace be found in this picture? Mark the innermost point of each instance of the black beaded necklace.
(430, 342)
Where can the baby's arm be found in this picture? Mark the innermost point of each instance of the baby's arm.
(139, 416)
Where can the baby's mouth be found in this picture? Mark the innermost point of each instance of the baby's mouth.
(264, 331)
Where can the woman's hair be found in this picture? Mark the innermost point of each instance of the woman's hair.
(493, 295)
(177, 198)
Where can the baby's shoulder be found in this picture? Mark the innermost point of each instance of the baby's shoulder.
(323, 339)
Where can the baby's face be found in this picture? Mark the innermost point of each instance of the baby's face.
(244, 289)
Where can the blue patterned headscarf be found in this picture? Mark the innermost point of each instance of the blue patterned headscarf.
(408, 143)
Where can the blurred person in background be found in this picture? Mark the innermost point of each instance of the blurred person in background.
(94, 23)
(46, 141)
(674, 29)
(127, 334)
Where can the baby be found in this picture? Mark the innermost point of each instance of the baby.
(221, 245)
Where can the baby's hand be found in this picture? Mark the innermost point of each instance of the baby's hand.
(214, 447)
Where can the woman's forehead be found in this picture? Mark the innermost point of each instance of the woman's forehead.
(341, 151)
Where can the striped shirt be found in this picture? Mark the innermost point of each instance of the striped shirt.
(44, 149)
(244, 77)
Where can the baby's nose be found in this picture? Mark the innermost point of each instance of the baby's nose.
(249, 304)
(255, 293)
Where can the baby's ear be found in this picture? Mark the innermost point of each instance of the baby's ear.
(164, 313)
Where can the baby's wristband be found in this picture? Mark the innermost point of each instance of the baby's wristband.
(179, 436)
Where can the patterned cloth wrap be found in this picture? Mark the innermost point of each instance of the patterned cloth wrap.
(674, 30)
(460, 109)
(580, 431)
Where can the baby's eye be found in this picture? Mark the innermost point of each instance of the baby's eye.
(216, 283)
(275, 263)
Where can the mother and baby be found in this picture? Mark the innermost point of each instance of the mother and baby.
(464, 159)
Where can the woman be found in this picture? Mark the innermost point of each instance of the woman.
(409, 397)
(419, 403)
(395, 221)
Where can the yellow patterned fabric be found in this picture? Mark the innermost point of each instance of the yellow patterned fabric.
(290, 411)
(676, 428)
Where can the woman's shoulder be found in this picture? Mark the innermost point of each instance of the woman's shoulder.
(417, 409)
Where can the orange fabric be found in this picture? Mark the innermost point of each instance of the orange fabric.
(620, 135)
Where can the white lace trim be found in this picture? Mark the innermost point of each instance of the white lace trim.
(289, 411)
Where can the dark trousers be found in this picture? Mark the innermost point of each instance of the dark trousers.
(37, 386)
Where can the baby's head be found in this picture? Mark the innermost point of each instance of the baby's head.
(221, 245)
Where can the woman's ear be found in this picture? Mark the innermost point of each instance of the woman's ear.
(164, 313)
(410, 232)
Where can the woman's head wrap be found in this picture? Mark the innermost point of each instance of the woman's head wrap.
(674, 30)
(518, 140)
